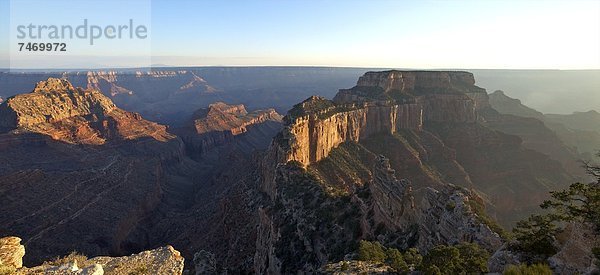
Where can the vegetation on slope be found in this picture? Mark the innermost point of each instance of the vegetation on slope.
(464, 258)
(579, 203)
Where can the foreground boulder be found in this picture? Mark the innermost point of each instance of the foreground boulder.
(11, 252)
(163, 260)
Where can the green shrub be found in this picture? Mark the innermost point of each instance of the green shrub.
(596, 252)
(536, 235)
(523, 269)
(395, 260)
(464, 258)
(371, 251)
(413, 258)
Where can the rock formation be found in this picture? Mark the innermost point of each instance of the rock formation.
(11, 252)
(163, 260)
(313, 134)
(57, 109)
(430, 126)
(382, 102)
(84, 171)
(221, 124)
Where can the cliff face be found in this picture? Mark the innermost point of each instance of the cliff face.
(420, 82)
(312, 136)
(381, 102)
(430, 127)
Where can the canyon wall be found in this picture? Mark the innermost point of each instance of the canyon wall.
(313, 136)
(381, 102)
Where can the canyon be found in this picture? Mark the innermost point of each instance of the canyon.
(412, 159)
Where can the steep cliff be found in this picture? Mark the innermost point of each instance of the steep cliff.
(312, 131)
(381, 102)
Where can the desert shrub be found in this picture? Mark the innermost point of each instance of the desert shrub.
(73, 256)
(579, 203)
(523, 269)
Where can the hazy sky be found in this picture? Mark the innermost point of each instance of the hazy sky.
(402, 34)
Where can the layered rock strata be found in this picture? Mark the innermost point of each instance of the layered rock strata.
(57, 109)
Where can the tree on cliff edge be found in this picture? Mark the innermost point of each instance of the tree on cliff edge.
(578, 203)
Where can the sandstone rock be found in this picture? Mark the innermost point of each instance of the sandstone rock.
(232, 118)
(313, 134)
(381, 102)
(11, 252)
(164, 260)
(56, 109)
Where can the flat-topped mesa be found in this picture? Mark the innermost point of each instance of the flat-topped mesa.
(415, 83)
(381, 102)
(449, 96)
(74, 115)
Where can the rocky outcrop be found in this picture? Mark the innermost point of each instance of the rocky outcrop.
(443, 216)
(163, 260)
(575, 254)
(221, 124)
(86, 172)
(56, 109)
(447, 217)
(220, 117)
(392, 198)
(512, 106)
(11, 252)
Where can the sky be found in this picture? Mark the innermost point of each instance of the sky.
(489, 34)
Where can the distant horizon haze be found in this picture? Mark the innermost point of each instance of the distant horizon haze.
(409, 34)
